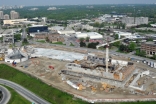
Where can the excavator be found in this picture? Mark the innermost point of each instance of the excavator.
(2, 57)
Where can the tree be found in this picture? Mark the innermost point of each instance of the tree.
(117, 44)
(29, 25)
(140, 53)
(25, 41)
(154, 57)
(132, 46)
(123, 26)
(47, 39)
(82, 44)
(17, 36)
(93, 45)
(82, 39)
(122, 47)
(87, 39)
(143, 53)
(97, 24)
(116, 36)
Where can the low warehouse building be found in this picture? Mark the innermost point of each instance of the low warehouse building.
(91, 35)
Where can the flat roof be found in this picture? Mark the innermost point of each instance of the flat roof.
(150, 43)
(36, 25)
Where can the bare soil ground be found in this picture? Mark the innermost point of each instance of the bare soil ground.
(39, 67)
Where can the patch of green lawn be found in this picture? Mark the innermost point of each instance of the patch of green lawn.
(41, 41)
(59, 43)
(71, 44)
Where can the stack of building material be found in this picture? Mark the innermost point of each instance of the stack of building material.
(81, 87)
(93, 89)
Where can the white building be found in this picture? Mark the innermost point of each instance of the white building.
(66, 32)
(14, 15)
(13, 22)
(87, 27)
(52, 8)
(125, 34)
(153, 25)
(6, 17)
(129, 35)
(56, 28)
(91, 35)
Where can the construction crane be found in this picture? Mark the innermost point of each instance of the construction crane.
(101, 45)
(107, 49)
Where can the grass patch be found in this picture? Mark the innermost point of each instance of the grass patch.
(41, 41)
(122, 52)
(43, 90)
(59, 43)
(16, 98)
(71, 44)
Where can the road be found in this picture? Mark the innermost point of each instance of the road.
(24, 92)
(6, 95)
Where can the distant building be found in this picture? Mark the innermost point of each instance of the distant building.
(149, 48)
(153, 25)
(8, 39)
(13, 21)
(57, 28)
(91, 35)
(52, 8)
(135, 20)
(1, 15)
(33, 9)
(87, 27)
(6, 17)
(14, 15)
(66, 32)
(53, 37)
(37, 28)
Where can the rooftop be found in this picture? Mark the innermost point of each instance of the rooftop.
(150, 43)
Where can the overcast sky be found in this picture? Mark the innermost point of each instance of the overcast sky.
(66, 2)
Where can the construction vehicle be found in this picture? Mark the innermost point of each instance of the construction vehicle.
(51, 67)
(77, 62)
(14, 63)
(2, 57)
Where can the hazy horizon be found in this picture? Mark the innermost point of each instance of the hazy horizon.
(72, 2)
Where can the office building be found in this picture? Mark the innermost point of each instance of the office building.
(1, 14)
(135, 20)
(6, 17)
(38, 28)
(14, 15)
(13, 21)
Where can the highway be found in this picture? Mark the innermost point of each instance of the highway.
(24, 92)
(6, 95)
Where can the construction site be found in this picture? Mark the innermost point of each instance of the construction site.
(90, 76)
